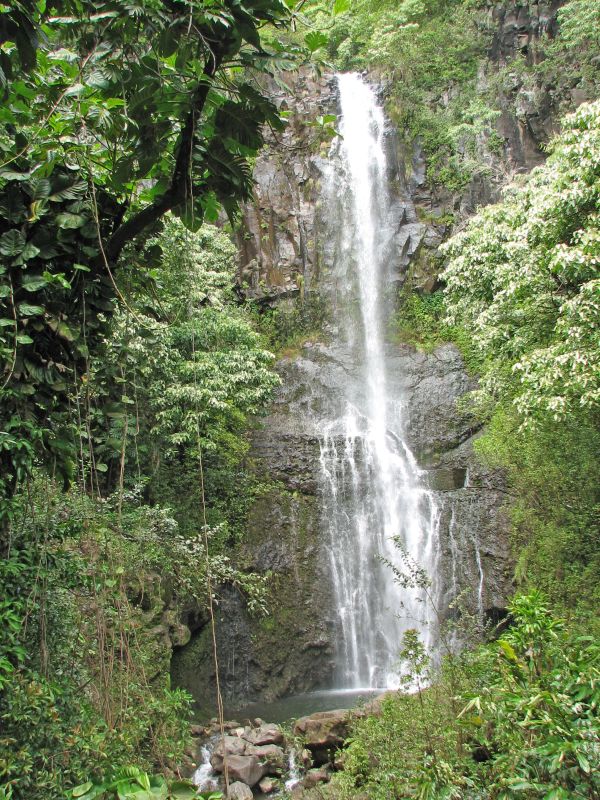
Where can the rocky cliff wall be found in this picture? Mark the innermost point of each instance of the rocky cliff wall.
(291, 650)
(281, 238)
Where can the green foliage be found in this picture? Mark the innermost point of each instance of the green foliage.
(580, 26)
(200, 364)
(528, 726)
(537, 713)
(93, 591)
(110, 118)
(83, 687)
(432, 53)
(95, 588)
(191, 368)
(287, 326)
(132, 783)
(552, 472)
(570, 58)
(421, 320)
(523, 277)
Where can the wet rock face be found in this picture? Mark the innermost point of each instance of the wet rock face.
(472, 500)
(280, 238)
(291, 651)
(282, 242)
(283, 253)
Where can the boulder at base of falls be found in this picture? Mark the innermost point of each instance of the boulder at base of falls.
(239, 791)
(246, 769)
(271, 757)
(316, 776)
(267, 785)
(229, 746)
(265, 734)
(324, 732)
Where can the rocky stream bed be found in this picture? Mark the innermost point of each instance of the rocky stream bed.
(266, 759)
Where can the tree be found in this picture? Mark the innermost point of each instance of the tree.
(113, 114)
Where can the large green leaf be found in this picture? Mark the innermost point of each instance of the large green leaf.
(30, 311)
(183, 790)
(32, 283)
(315, 40)
(78, 791)
(70, 221)
(12, 243)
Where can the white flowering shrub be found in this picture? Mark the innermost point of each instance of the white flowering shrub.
(192, 363)
(524, 278)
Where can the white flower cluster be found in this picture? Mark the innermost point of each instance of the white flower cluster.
(524, 278)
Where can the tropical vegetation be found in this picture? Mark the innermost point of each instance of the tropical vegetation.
(132, 370)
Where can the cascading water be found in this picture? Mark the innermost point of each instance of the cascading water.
(373, 492)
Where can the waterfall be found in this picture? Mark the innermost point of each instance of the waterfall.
(373, 490)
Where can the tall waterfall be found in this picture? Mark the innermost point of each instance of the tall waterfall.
(372, 488)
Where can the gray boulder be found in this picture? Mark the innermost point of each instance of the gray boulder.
(271, 757)
(227, 746)
(239, 791)
(324, 732)
(265, 734)
(316, 776)
(246, 769)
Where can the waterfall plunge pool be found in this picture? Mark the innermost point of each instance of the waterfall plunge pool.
(290, 708)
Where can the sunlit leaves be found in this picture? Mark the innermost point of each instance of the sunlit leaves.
(524, 278)
(339, 6)
(315, 40)
(132, 783)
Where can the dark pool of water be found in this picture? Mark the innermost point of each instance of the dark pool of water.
(288, 708)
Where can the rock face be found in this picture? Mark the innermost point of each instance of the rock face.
(292, 650)
(280, 239)
(471, 498)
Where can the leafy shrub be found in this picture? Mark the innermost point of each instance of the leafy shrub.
(555, 497)
(421, 320)
(132, 783)
(288, 325)
(523, 278)
(528, 725)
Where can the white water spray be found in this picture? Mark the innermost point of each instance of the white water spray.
(204, 777)
(372, 487)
